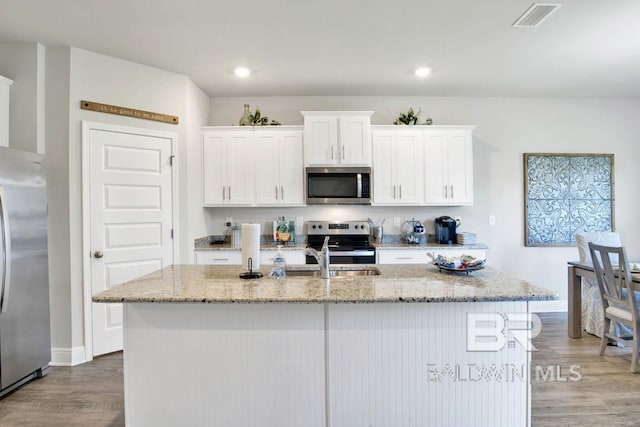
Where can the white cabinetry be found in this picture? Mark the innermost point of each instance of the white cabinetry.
(419, 256)
(252, 166)
(337, 138)
(448, 166)
(4, 111)
(227, 168)
(219, 257)
(234, 257)
(278, 168)
(398, 175)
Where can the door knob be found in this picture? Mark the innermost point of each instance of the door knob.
(98, 254)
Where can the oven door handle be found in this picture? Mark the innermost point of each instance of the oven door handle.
(351, 253)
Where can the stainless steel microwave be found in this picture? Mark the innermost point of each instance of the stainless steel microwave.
(338, 186)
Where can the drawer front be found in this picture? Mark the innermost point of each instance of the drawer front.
(403, 257)
(219, 257)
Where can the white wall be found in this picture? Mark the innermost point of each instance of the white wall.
(24, 64)
(73, 75)
(506, 128)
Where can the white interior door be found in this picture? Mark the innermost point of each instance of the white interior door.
(131, 216)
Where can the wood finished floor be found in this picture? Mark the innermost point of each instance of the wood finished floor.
(606, 394)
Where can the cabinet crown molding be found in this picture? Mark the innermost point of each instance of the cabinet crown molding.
(422, 127)
(336, 113)
(252, 128)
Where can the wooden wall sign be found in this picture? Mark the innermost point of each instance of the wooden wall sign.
(124, 111)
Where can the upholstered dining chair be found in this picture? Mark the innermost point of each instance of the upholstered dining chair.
(592, 314)
(618, 296)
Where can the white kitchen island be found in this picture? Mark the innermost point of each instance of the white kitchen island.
(205, 348)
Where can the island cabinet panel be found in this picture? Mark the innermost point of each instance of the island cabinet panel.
(224, 365)
(409, 365)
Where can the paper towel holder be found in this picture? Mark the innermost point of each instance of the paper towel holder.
(250, 274)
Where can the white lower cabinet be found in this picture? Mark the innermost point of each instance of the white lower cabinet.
(419, 256)
(219, 257)
(234, 257)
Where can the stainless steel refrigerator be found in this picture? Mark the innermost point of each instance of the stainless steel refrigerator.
(25, 343)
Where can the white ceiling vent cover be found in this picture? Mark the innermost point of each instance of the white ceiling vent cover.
(537, 13)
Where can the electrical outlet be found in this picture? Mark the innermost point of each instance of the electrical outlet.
(396, 221)
(492, 220)
(228, 221)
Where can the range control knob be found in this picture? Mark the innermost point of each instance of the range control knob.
(320, 226)
(313, 226)
(362, 226)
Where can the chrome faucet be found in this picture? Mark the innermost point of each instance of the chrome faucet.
(321, 257)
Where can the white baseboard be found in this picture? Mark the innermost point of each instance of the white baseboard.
(61, 356)
(548, 306)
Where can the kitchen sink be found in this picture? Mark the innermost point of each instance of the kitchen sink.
(351, 272)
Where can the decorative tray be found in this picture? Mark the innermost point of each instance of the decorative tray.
(466, 270)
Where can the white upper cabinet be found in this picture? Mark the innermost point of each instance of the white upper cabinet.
(279, 168)
(4, 111)
(449, 166)
(397, 167)
(245, 166)
(337, 138)
(227, 167)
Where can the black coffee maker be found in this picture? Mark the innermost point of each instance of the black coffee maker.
(445, 229)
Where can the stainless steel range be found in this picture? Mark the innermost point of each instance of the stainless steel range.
(349, 241)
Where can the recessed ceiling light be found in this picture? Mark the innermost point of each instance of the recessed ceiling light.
(242, 72)
(423, 71)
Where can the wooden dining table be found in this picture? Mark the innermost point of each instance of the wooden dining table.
(576, 271)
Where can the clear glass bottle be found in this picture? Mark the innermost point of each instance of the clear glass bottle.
(235, 236)
(244, 120)
(279, 265)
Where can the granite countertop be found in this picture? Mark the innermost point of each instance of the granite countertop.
(203, 245)
(396, 283)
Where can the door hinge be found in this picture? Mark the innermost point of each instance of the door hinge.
(171, 160)
(172, 233)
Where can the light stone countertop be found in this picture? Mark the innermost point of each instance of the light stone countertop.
(396, 283)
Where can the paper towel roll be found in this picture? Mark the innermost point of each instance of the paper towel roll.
(251, 245)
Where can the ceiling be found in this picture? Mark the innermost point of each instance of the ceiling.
(353, 47)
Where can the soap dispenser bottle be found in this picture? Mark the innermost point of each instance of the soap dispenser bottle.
(279, 265)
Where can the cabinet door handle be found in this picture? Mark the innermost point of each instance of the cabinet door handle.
(445, 192)
(276, 191)
(343, 151)
(282, 192)
(223, 194)
(452, 191)
(332, 152)
(404, 257)
(394, 191)
(401, 191)
(221, 259)
(229, 193)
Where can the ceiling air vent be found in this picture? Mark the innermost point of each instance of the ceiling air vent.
(537, 13)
